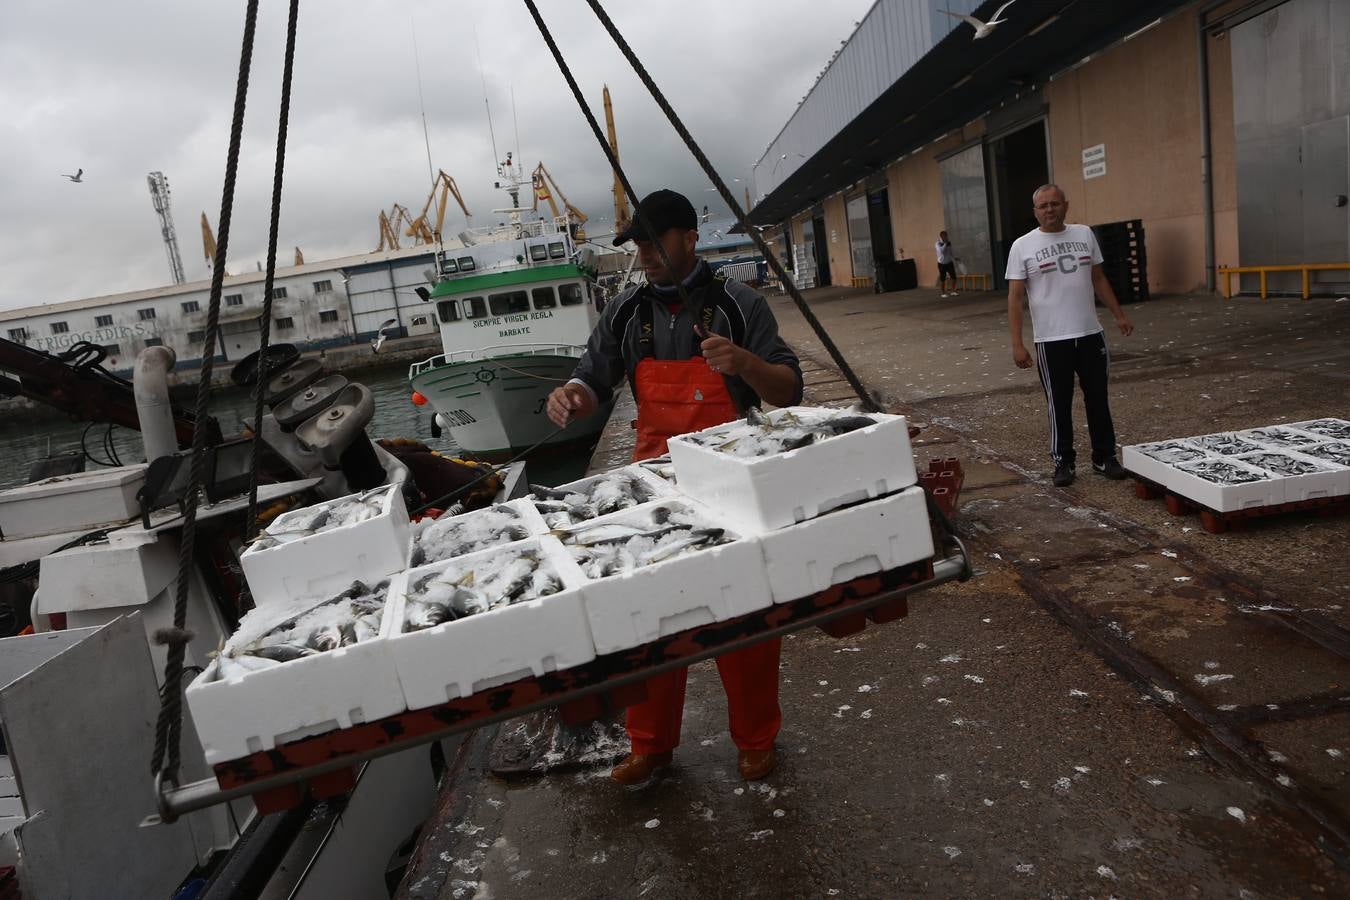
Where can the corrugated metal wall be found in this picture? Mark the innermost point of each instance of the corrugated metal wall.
(1291, 111)
(892, 37)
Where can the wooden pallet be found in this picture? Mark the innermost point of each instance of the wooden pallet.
(1216, 522)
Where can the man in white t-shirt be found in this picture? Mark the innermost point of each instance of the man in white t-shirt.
(946, 261)
(1058, 268)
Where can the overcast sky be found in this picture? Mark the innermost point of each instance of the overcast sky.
(122, 89)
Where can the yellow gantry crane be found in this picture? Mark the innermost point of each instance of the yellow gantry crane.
(545, 188)
(621, 215)
(392, 224)
(423, 229)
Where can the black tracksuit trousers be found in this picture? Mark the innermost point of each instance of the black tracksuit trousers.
(1058, 362)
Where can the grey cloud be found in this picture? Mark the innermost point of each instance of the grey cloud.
(125, 88)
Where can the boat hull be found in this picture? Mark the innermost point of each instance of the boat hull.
(494, 408)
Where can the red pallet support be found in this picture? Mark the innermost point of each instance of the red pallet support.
(413, 727)
(1216, 522)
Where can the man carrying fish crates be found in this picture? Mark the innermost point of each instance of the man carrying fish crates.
(1056, 269)
(690, 366)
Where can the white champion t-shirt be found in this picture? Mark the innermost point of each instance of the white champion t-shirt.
(1057, 267)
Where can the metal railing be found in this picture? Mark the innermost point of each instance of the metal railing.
(1305, 268)
(497, 351)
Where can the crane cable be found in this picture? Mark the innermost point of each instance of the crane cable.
(265, 327)
(165, 758)
(868, 402)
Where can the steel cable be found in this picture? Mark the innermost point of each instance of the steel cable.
(168, 728)
(770, 257)
(265, 328)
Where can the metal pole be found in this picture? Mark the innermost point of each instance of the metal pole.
(1206, 157)
(180, 800)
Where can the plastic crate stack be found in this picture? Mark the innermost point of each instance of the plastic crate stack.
(1125, 260)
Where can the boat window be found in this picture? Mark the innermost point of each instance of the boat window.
(544, 298)
(556, 250)
(449, 265)
(465, 263)
(474, 308)
(510, 302)
(570, 294)
(538, 252)
(448, 310)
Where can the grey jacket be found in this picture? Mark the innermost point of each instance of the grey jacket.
(613, 351)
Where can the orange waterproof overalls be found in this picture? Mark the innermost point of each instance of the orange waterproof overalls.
(677, 397)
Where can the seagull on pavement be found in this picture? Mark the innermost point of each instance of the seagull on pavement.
(982, 29)
(78, 177)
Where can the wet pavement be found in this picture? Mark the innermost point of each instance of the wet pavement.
(1118, 704)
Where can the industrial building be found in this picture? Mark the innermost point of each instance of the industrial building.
(1223, 126)
(318, 305)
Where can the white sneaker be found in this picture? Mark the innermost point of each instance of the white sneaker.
(946, 295)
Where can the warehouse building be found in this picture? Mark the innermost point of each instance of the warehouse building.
(1223, 128)
(314, 306)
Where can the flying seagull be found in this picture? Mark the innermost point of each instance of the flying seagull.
(381, 335)
(78, 177)
(982, 29)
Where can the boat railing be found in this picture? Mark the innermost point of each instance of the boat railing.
(481, 354)
(515, 230)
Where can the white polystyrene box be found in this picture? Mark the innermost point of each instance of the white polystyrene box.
(259, 710)
(326, 563)
(1156, 461)
(763, 493)
(70, 502)
(848, 543)
(658, 486)
(1264, 491)
(1328, 429)
(699, 588)
(1330, 479)
(1280, 437)
(460, 658)
(529, 518)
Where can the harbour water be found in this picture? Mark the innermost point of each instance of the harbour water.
(25, 440)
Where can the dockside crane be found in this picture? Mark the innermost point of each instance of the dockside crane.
(622, 217)
(426, 231)
(544, 189)
(391, 224)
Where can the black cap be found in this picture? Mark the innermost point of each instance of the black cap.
(663, 210)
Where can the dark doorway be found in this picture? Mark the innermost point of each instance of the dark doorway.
(1018, 164)
(822, 251)
(879, 216)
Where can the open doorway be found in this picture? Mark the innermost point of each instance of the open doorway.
(822, 248)
(1018, 164)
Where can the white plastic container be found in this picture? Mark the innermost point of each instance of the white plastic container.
(528, 517)
(326, 563)
(1328, 429)
(460, 658)
(1157, 461)
(1330, 479)
(699, 588)
(1264, 490)
(74, 502)
(847, 543)
(655, 484)
(759, 494)
(259, 710)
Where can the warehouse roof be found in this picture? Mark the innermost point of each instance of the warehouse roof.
(954, 82)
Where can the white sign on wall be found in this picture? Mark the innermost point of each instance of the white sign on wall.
(1094, 162)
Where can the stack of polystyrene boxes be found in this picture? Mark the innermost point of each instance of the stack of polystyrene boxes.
(1251, 469)
(825, 513)
(794, 523)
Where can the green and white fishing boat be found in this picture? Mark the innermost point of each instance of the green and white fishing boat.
(515, 306)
